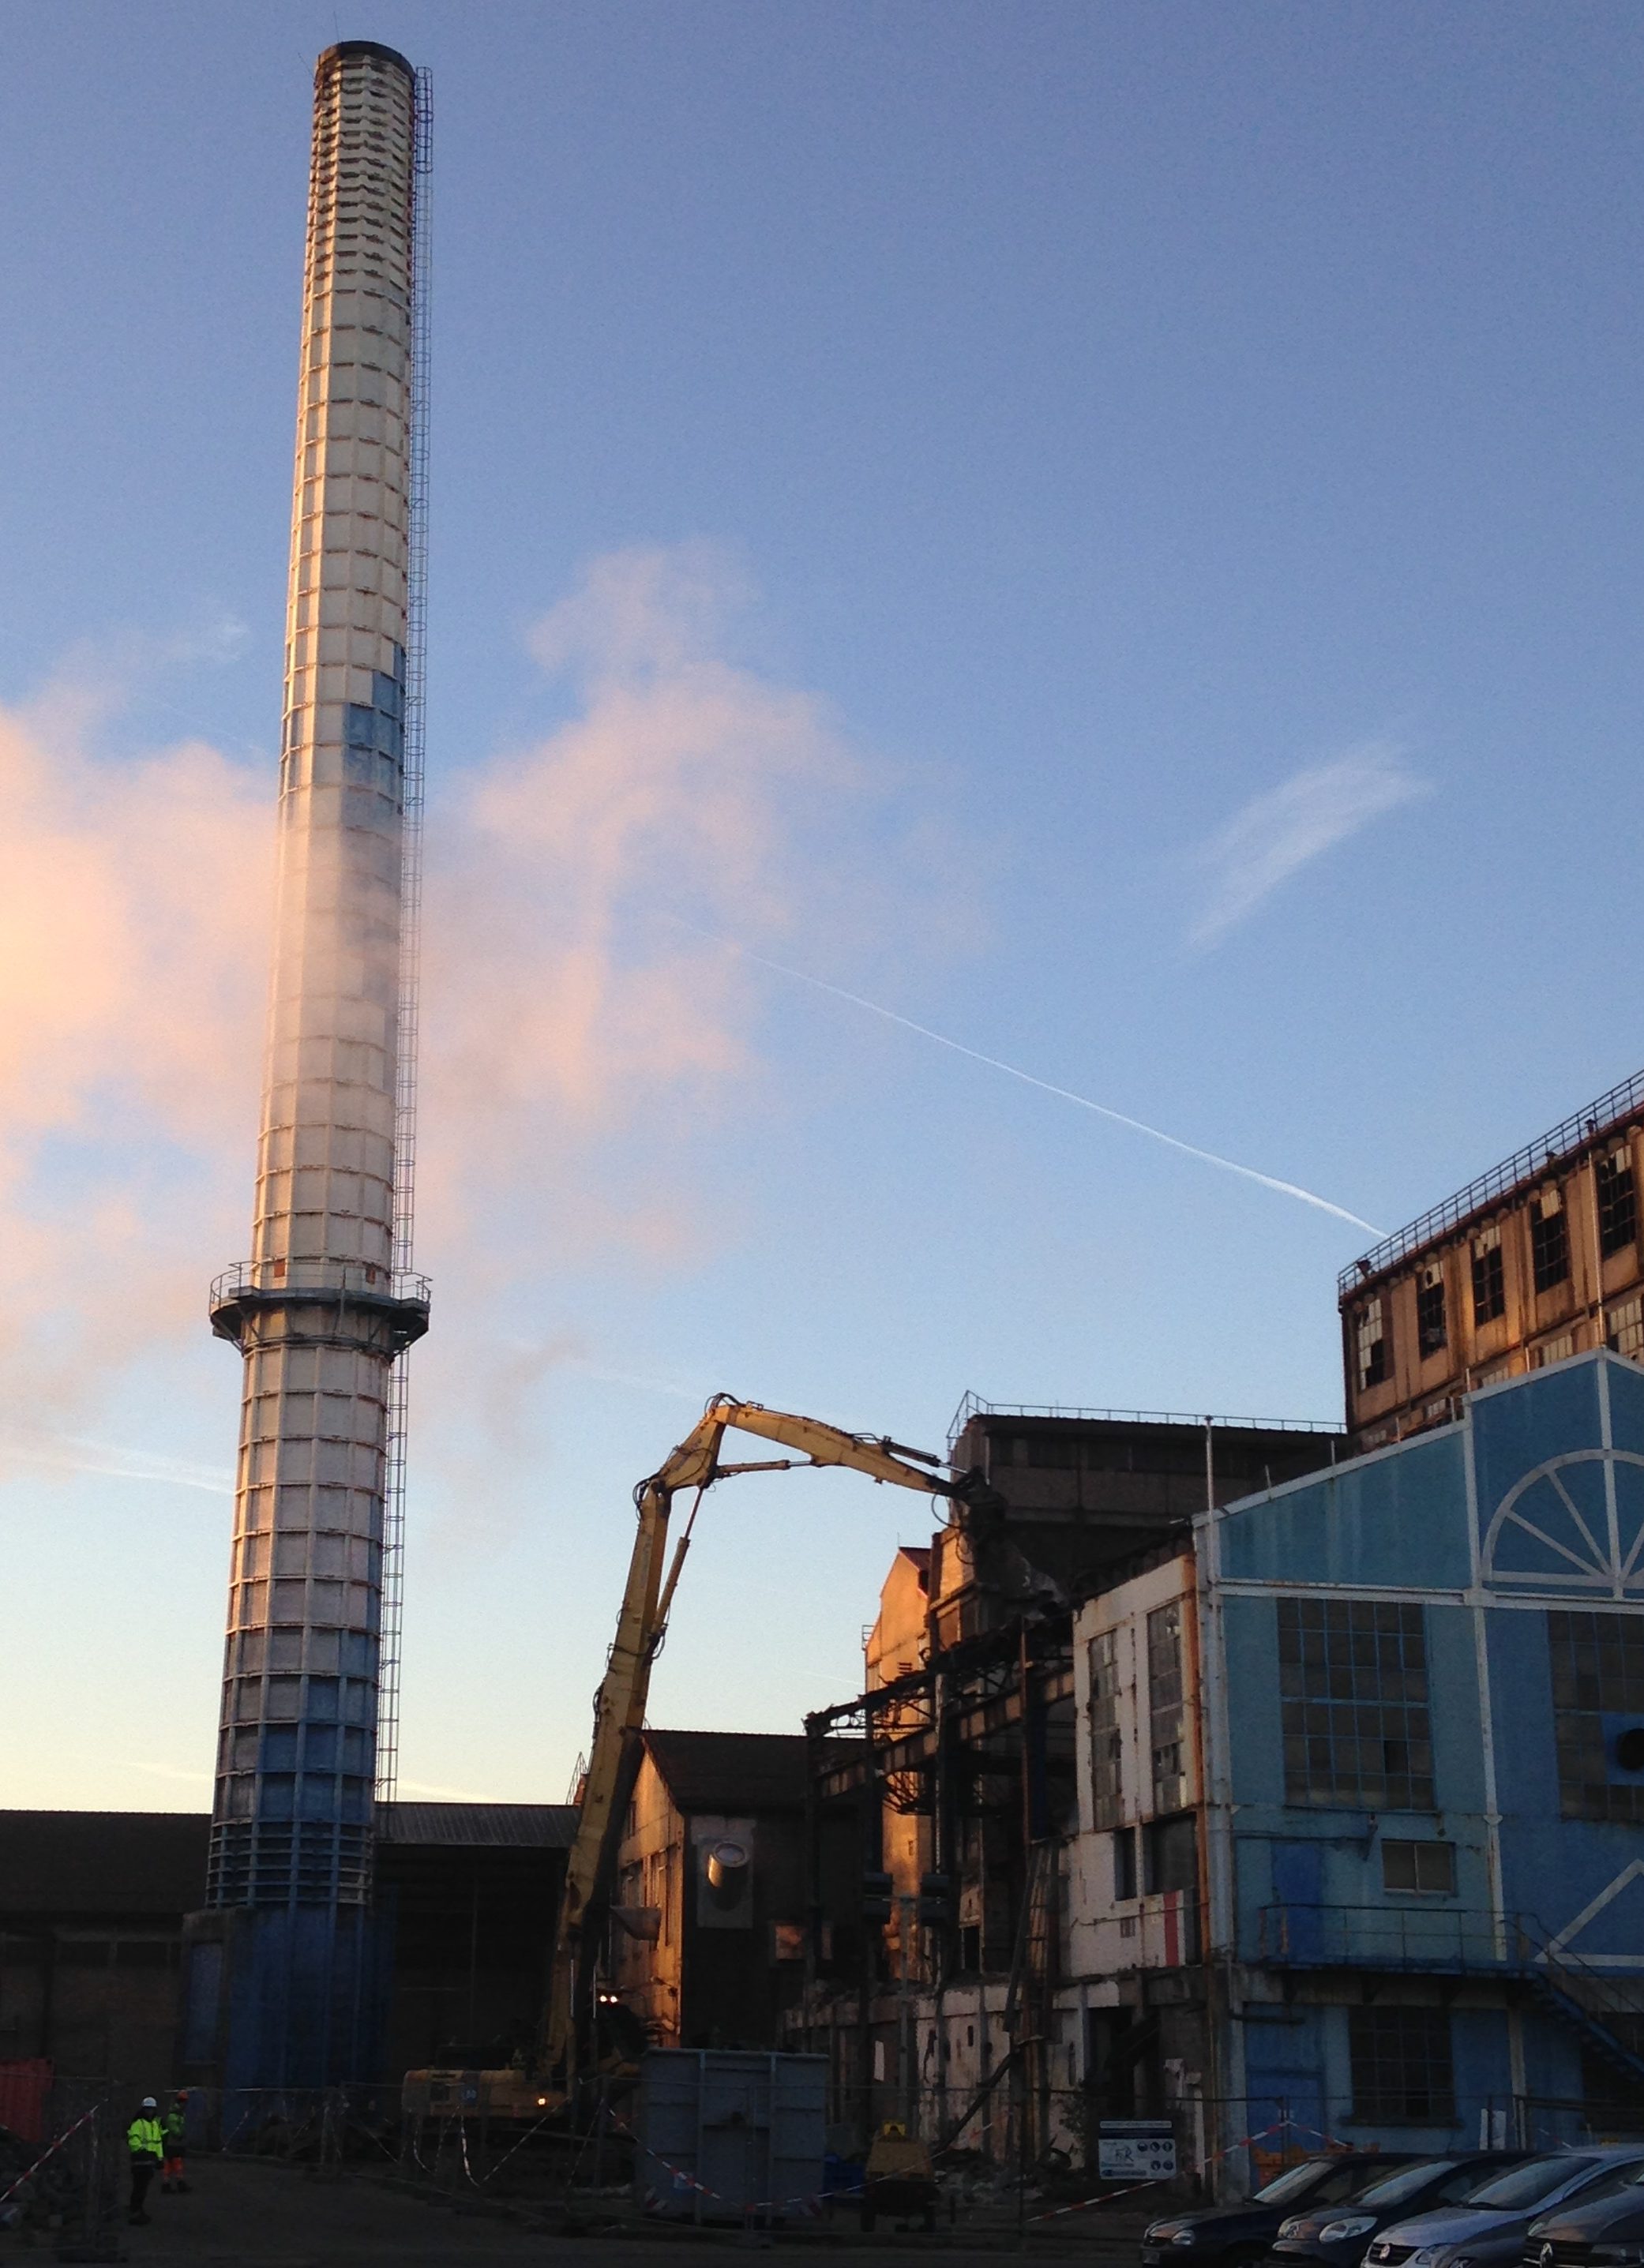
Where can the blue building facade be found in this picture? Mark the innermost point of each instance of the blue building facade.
(1422, 1783)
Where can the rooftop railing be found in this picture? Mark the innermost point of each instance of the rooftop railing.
(1524, 1165)
(972, 1405)
(346, 1279)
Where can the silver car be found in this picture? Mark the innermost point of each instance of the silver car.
(1487, 2230)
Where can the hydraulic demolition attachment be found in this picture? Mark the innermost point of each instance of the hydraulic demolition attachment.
(567, 2044)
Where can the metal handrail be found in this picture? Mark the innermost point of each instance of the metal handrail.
(972, 1405)
(342, 1278)
(1361, 1936)
(1598, 1990)
(1590, 1125)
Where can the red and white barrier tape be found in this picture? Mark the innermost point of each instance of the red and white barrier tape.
(811, 2203)
(1134, 2188)
(51, 2152)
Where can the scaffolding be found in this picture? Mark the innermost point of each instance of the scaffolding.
(977, 1743)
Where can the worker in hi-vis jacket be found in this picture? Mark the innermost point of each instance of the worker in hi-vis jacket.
(146, 2142)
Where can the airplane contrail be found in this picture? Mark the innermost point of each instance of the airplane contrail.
(73, 1453)
(1045, 1086)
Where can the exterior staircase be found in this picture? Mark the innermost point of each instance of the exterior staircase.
(1603, 2014)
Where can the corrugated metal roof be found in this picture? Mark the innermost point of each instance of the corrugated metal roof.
(102, 1862)
(519, 1826)
(732, 1772)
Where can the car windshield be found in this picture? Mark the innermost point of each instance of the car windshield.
(1294, 2182)
(1529, 2184)
(1398, 2187)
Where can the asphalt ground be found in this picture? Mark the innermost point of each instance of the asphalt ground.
(243, 2214)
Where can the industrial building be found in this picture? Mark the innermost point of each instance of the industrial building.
(944, 1794)
(1384, 1727)
(94, 1907)
(1533, 1262)
(91, 1906)
(708, 1942)
(1316, 1818)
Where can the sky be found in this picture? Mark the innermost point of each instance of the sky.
(1093, 542)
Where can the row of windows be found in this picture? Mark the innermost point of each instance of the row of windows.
(1169, 1861)
(1597, 1673)
(1167, 1717)
(1357, 1730)
(1168, 1858)
(1238, 1454)
(1066, 1453)
(1548, 1261)
(1355, 1716)
(1353, 1681)
(1167, 1714)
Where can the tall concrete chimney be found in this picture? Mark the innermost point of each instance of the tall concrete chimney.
(325, 1307)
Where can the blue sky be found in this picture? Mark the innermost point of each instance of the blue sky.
(1132, 516)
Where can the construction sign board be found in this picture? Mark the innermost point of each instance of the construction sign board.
(1136, 2150)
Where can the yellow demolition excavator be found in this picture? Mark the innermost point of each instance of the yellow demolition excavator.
(567, 2048)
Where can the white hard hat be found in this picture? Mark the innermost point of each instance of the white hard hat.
(149, 2103)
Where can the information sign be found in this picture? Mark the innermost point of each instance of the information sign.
(1136, 2150)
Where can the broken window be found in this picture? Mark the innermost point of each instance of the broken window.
(1105, 1742)
(1489, 1286)
(1429, 1866)
(1617, 1201)
(1054, 1453)
(1352, 1681)
(1430, 1332)
(1167, 1717)
(1371, 1344)
(1549, 1240)
(1123, 1863)
(1623, 1328)
(1170, 1855)
(1550, 1350)
(1597, 1673)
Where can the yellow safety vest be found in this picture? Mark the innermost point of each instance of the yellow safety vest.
(143, 2139)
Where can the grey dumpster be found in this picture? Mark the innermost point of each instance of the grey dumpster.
(726, 2132)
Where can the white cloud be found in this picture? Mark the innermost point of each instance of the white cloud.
(1277, 834)
(579, 1055)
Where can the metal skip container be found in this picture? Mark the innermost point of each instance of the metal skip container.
(729, 2133)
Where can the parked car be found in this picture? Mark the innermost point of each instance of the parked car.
(1233, 2235)
(1339, 2235)
(1489, 2229)
(1607, 2230)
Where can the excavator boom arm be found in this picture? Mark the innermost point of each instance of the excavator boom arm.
(619, 1707)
